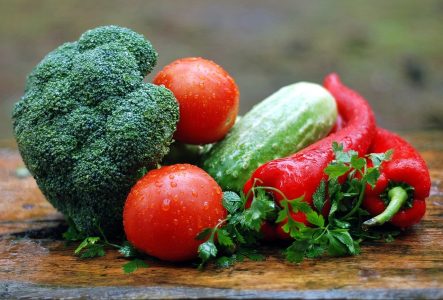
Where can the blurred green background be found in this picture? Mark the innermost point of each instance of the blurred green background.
(390, 51)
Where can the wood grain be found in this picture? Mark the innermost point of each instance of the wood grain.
(35, 262)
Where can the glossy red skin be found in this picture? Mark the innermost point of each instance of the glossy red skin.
(406, 166)
(339, 124)
(208, 98)
(168, 207)
(301, 173)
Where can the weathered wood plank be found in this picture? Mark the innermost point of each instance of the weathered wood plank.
(411, 266)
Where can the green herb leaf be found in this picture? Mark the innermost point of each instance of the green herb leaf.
(371, 176)
(282, 215)
(87, 242)
(232, 202)
(207, 250)
(95, 250)
(261, 206)
(134, 265)
(315, 219)
(226, 261)
(295, 253)
(340, 224)
(389, 238)
(223, 238)
(315, 250)
(73, 234)
(319, 197)
(336, 248)
(336, 170)
(204, 234)
(345, 238)
(300, 205)
(358, 163)
(378, 158)
(127, 250)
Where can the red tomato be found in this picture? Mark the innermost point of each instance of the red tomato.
(168, 207)
(208, 98)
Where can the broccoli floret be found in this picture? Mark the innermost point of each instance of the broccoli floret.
(87, 124)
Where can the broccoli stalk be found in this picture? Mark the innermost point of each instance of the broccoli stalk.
(87, 124)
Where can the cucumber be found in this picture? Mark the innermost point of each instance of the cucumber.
(292, 118)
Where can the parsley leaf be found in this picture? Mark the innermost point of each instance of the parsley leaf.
(231, 201)
(319, 197)
(358, 163)
(134, 265)
(336, 170)
(92, 251)
(207, 250)
(204, 234)
(315, 219)
(295, 253)
(127, 250)
(86, 243)
(226, 261)
(378, 158)
(90, 248)
(335, 247)
(260, 207)
(72, 234)
(223, 238)
(345, 238)
(371, 176)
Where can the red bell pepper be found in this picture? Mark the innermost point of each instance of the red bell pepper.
(300, 174)
(404, 183)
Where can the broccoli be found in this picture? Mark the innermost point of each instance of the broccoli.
(87, 124)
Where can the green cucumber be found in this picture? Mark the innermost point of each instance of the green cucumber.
(292, 118)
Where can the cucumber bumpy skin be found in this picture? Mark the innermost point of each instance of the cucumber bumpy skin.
(292, 118)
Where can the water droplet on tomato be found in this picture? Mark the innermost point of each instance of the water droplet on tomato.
(173, 184)
(171, 176)
(175, 221)
(175, 198)
(166, 204)
(205, 205)
(158, 184)
(194, 193)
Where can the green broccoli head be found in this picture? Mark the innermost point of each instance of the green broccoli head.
(87, 124)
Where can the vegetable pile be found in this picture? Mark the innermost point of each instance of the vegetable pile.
(307, 169)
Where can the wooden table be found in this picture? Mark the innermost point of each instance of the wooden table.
(34, 262)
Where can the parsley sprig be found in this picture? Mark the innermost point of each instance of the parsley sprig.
(235, 236)
(338, 233)
(95, 246)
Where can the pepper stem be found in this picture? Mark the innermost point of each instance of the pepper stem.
(397, 197)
